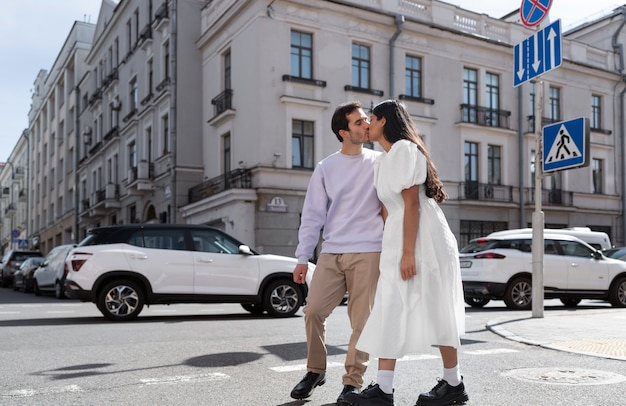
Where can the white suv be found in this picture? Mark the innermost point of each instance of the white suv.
(122, 268)
(501, 268)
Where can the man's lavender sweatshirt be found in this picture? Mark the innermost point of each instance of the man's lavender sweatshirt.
(341, 200)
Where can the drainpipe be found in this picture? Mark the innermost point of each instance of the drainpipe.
(173, 120)
(618, 49)
(399, 21)
(77, 133)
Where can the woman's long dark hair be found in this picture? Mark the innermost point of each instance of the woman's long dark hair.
(400, 126)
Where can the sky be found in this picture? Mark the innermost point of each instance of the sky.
(32, 33)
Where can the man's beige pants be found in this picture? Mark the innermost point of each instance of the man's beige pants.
(334, 274)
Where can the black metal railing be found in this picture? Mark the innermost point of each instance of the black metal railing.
(484, 191)
(222, 102)
(550, 197)
(236, 179)
(544, 122)
(485, 116)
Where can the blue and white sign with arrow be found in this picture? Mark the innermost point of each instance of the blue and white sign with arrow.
(538, 54)
(566, 145)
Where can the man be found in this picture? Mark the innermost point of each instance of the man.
(341, 201)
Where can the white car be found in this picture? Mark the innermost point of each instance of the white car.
(501, 268)
(122, 268)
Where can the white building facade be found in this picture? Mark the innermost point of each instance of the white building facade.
(216, 113)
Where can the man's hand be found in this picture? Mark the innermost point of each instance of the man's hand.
(299, 273)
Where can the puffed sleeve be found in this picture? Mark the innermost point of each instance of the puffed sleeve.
(410, 166)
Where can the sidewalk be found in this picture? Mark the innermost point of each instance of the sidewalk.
(595, 332)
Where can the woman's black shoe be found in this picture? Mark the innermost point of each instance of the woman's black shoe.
(443, 395)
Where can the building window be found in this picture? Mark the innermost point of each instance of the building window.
(492, 84)
(413, 76)
(470, 95)
(302, 144)
(301, 55)
(129, 33)
(471, 170)
(494, 159)
(360, 66)
(133, 94)
(533, 155)
(165, 134)
(597, 174)
(132, 155)
(150, 76)
(555, 104)
(166, 60)
(531, 108)
(226, 157)
(596, 112)
(227, 73)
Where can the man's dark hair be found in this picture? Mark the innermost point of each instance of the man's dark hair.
(340, 117)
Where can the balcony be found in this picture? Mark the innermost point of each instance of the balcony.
(236, 179)
(222, 102)
(145, 36)
(550, 197)
(20, 171)
(161, 16)
(105, 199)
(544, 122)
(112, 133)
(485, 192)
(10, 210)
(140, 177)
(22, 195)
(485, 116)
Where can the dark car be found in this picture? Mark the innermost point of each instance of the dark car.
(23, 278)
(616, 253)
(11, 262)
(50, 276)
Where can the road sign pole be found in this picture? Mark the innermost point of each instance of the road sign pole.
(538, 219)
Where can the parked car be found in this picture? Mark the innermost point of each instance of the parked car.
(23, 278)
(122, 268)
(616, 253)
(11, 262)
(597, 239)
(500, 268)
(50, 276)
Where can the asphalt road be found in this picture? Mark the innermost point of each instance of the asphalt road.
(64, 352)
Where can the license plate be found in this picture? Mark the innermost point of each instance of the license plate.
(466, 264)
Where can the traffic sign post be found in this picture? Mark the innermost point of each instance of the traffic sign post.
(538, 54)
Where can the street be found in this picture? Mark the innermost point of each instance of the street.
(65, 352)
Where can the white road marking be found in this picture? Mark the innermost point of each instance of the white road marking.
(26, 393)
(489, 352)
(214, 376)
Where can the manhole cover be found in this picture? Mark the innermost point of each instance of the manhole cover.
(565, 376)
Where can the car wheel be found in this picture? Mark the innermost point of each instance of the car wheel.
(570, 302)
(282, 298)
(5, 283)
(36, 288)
(617, 294)
(476, 302)
(518, 295)
(254, 308)
(120, 300)
(59, 290)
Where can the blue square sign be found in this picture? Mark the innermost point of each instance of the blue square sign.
(566, 145)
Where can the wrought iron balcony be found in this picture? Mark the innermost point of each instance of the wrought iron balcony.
(222, 102)
(485, 116)
(551, 197)
(544, 122)
(485, 191)
(236, 179)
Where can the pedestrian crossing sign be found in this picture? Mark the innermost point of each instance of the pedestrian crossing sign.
(566, 145)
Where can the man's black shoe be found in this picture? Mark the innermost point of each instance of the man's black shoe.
(443, 395)
(346, 389)
(304, 388)
(370, 396)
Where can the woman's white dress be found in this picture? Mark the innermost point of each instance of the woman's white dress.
(427, 310)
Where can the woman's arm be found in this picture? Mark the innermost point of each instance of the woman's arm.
(409, 231)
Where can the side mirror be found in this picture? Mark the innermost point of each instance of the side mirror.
(245, 250)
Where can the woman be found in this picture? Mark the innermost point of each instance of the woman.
(419, 298)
